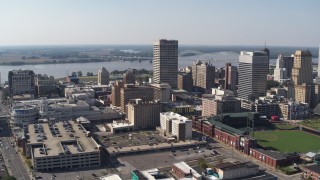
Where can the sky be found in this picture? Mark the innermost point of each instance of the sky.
(192, 22)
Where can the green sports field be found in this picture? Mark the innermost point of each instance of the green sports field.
(288, 141)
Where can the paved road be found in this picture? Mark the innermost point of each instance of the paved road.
(227, 151)
(13, 161)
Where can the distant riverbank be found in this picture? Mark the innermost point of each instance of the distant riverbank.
(22, 63)
(64, 69)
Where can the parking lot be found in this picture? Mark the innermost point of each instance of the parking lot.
(76, 174)
(162, 159)
(132, 139)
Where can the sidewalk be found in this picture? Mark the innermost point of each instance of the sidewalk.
(22, 159)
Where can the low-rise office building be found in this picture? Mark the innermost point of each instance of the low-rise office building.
(161, 92)
(218, 104)
(273, 158)
(63, 145)
(294, 110)
(182, 170)
(120, 127)
(25, 112)
(236, 170)
(149, 174)
(263, 107)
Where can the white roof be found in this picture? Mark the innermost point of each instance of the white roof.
(186, 168)
(110, 177)
(311, 154)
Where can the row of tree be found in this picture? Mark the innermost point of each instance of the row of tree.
(116, 72)
(79, 73)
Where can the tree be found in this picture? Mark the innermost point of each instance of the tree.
(202, 163)
(79, 73)
(89, 73)
(271, 84)
(8, 177)
(115, 72)
(146, 79)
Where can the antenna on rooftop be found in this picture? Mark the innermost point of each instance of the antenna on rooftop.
(265, 44)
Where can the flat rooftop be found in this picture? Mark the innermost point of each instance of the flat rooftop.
(139, 141)
(136, 138)
(186, 168)
(273, 154)
(235, 165)
(57, 137)
(315, 168)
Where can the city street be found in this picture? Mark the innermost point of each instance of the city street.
(228, 152)
(12, 160)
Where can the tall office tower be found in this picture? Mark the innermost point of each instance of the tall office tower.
(319, 63)
(266, 50)
(115, 93)
(253, 71)
(185, 81)
(165, 62)
(103, 76)
(203, 74)
(144, 115)
(302, 78)
(230, 77)
(302, 68)
(288, 64)
(130, 91)
(129, 77)
(21, 82)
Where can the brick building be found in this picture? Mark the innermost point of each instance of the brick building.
(183, 170)
(240, 141)
(311, 172)
(273, 158)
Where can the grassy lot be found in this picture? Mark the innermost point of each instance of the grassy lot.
(288, 141)
(288, 170)
(284, 126)
(88, 78)
(312, 123)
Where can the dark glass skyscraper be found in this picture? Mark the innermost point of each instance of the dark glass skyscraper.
(165, 62)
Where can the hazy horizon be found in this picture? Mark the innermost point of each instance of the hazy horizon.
(124, 22)
(194, 45)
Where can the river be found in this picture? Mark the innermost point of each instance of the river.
(61, 70)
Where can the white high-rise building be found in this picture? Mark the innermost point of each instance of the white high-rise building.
(253, 71)
(103, 76)
(280, 72)
(182, 129)
(176, 125)
(165, 62)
